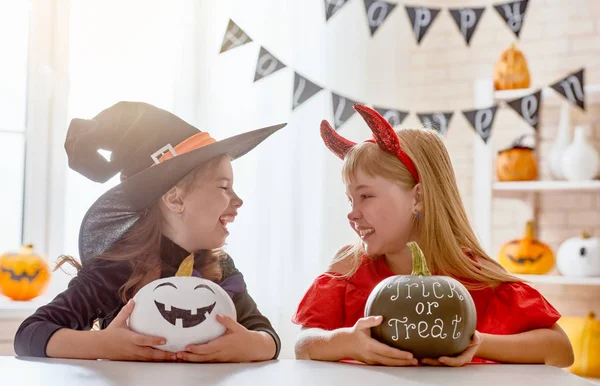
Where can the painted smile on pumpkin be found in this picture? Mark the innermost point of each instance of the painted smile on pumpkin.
(524, 259)
(180, 317)
(19, 277)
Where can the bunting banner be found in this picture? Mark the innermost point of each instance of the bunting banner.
(377, 12)
(482, 121)
(421, 18)
(467, 20)
(438, 121)
(332, 6)
(571, 87)
(266, 64)
(513, 13)
(528, 107)
(234, 37)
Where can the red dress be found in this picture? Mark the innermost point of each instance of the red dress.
(335, 302)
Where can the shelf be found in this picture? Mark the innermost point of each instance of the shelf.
(531, 186)
(592, 94)
(558, 279)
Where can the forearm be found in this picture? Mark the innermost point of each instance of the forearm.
(549, 346)
(323, 345)
(72, 344)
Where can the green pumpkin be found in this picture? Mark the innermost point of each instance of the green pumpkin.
(429, 316)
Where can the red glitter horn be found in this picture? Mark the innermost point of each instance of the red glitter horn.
(335, 142)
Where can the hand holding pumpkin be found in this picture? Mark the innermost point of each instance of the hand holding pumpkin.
(118, 342)
(364, 348)
(460, 360)
(238, 344)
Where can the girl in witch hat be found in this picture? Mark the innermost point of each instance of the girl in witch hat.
(175, 197)
(401, 187)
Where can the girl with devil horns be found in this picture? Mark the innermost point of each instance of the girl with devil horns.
(401, 187)
(175, 198)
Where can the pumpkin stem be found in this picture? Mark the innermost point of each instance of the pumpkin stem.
(592, 315)
(418, 260)
(186, 267)
(585, 235)
(529, 230)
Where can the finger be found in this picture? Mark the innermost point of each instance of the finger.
(191, 357)
(205, 349)
(460, 360)
(230, 324)
(147, 340)
(388, 351)
(123, 315)
(431, 362)
(149, 353)
(371, 321)
(380, 359)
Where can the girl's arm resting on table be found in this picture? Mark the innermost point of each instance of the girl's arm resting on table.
(550, 346)
(324, 345)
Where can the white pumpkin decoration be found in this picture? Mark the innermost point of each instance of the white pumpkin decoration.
(181, 309)
(579, 256)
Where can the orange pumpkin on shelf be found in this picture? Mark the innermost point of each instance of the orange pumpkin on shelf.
(511, 70)
(527, 255)
(23, 275)
(516, 163)
(584, 334)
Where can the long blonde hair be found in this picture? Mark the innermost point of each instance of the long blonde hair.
(443, 229)
(141, 245)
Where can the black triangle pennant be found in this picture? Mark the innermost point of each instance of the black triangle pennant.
(467, 20)
(513, 14)
(482, 121)
(303, 90)
(528, 107)
(394, 117)
(234, 37)
(421, 19)
(572, 88)
(342, 109)
(438, 121)
(377, 12)
(332, 6)
(266, 64)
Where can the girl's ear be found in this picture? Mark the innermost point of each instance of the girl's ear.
(172, 200)
(417, 198)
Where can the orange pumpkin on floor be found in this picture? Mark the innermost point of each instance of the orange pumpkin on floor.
(23, 275)
(517, 163)
(511, 71)
(527, 255)
(584, 334)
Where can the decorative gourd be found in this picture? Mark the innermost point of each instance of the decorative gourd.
(429, 316)
(511, 70)
(584, 334)
(527, 255)
(181, 309)
(516, 163)
(23, 275)
(579, 256)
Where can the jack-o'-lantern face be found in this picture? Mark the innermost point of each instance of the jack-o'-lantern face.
(181, 309)
(23, 275)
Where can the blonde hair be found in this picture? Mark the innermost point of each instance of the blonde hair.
(444, 232)
(141, 244)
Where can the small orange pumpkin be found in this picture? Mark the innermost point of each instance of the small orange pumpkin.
(527, 255)
(511, 70)
(23, 275)
(584, 334)
(516, 163)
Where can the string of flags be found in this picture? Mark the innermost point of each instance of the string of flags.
(571, 87)
(421, 18)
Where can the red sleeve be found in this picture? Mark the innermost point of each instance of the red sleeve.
(516, 308)
(323, 304)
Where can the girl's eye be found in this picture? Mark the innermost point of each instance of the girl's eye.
(364, 196)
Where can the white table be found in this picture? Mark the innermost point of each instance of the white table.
(51, 372)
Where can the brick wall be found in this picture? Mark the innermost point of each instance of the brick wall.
(558, 36)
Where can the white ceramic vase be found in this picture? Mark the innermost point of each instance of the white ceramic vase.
(580, 161)
(562, 141)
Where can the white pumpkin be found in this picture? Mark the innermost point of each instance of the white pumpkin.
(579, 256)
(182, 310)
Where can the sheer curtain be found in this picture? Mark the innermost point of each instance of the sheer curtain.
(167, 53)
